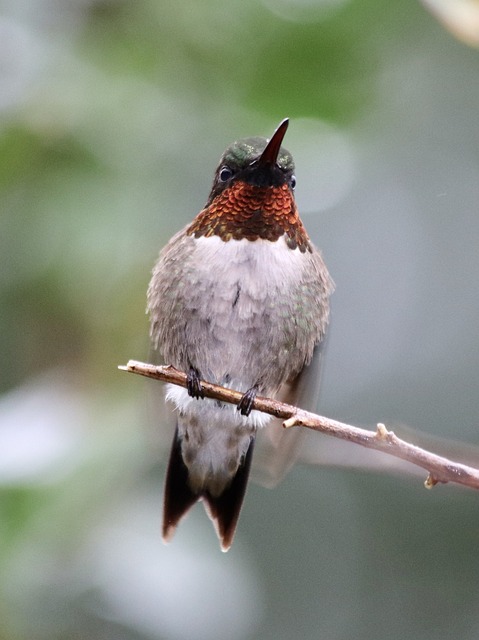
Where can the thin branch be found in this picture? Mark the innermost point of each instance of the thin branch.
(439, 469)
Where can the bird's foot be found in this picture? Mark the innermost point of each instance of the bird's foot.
(193, 384)
(245, 405)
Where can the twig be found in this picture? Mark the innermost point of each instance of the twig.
(439, 469)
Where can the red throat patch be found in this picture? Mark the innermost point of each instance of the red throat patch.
(246, 211)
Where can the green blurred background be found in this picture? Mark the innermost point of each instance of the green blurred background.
(112, 117)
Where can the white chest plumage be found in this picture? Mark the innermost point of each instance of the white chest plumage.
(260, 265)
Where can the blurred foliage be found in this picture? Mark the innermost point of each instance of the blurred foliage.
(112, 116)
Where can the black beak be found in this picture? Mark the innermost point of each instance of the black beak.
(270, 154)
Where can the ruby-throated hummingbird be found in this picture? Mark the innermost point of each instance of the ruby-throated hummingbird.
(240, 298)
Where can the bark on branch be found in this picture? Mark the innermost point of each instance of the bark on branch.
(438, 468)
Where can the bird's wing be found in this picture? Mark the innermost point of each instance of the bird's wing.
(277, 449)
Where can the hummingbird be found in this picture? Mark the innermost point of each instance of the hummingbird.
(240, 298)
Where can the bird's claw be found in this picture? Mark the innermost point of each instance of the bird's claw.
(245, 405)
(193, 384)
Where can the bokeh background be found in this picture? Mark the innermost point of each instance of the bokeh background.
(113, 114)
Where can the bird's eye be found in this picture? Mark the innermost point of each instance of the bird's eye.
(292, 182)
(225, 174)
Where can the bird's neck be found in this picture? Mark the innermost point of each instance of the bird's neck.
(247, 211)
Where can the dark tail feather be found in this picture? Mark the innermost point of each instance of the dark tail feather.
(224, 510)
(178, 496)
